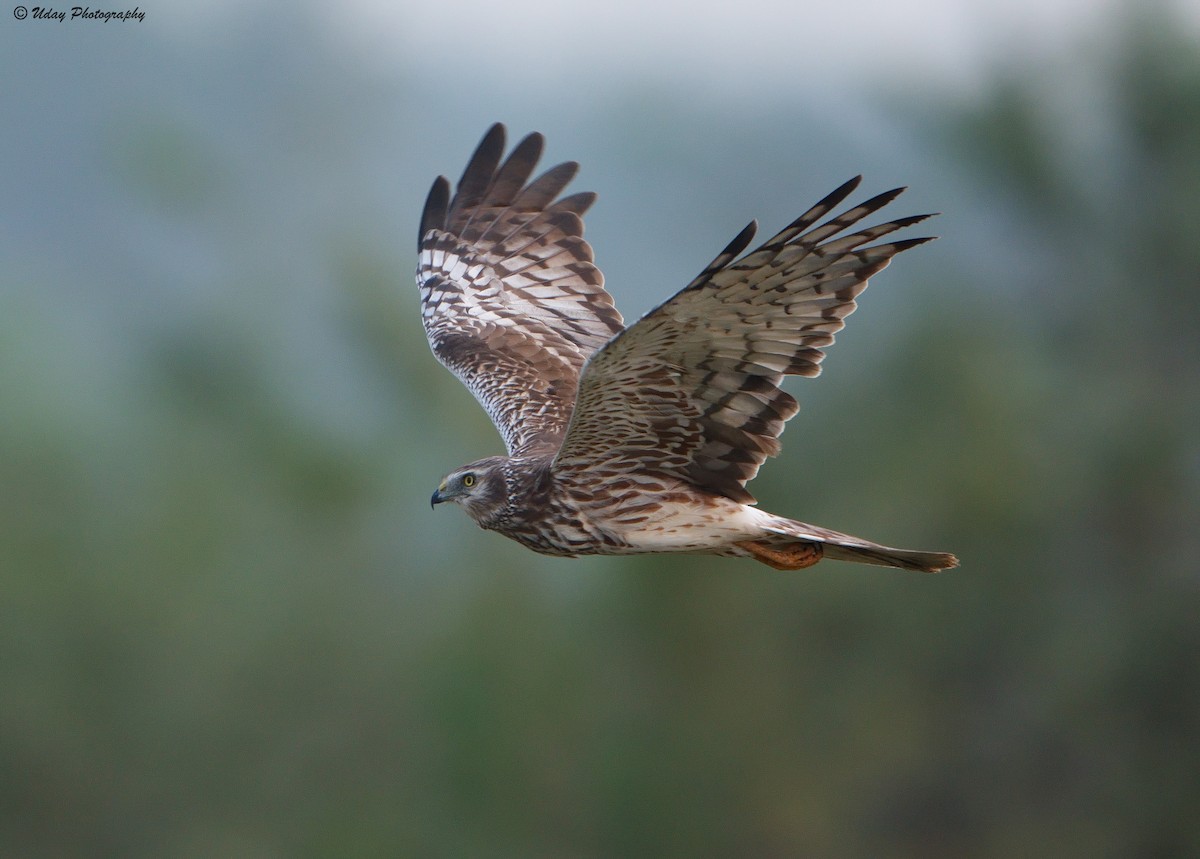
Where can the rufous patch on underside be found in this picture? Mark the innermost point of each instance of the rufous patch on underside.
(795, 556)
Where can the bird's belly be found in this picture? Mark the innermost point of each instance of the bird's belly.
(632, 515)
(685, 525)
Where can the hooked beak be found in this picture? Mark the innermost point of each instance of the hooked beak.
(437, 498)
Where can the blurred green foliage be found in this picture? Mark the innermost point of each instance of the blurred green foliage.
(229, 625)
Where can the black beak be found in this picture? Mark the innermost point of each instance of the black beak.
(436, 499)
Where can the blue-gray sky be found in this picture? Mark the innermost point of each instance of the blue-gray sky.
(752, 47)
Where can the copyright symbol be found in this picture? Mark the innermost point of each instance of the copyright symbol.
(20, 12)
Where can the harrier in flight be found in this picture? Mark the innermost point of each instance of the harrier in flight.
(640, 439)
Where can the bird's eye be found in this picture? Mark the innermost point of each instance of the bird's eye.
(468, 480)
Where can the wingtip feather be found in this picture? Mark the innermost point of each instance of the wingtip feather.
(433, 216)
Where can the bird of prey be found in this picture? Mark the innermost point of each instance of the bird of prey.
(640, 439)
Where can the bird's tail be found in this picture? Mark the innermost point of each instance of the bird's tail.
(788, 535)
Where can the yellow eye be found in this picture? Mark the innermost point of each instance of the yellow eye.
(468, 480)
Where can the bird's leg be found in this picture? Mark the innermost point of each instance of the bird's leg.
(794, 556)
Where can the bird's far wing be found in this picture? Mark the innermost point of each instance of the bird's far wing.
(692, 389)
(511, 300)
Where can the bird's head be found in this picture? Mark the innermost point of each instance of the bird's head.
(480, 488)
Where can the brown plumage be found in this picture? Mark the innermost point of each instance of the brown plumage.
(640, 439)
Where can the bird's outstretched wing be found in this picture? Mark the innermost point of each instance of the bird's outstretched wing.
(511, 300)
(692, 389)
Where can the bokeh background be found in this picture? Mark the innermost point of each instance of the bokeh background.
(231, 626)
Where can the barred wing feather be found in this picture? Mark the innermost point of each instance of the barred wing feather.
(693, 388)
(512, 302)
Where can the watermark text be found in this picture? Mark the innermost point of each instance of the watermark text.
(77, 13)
